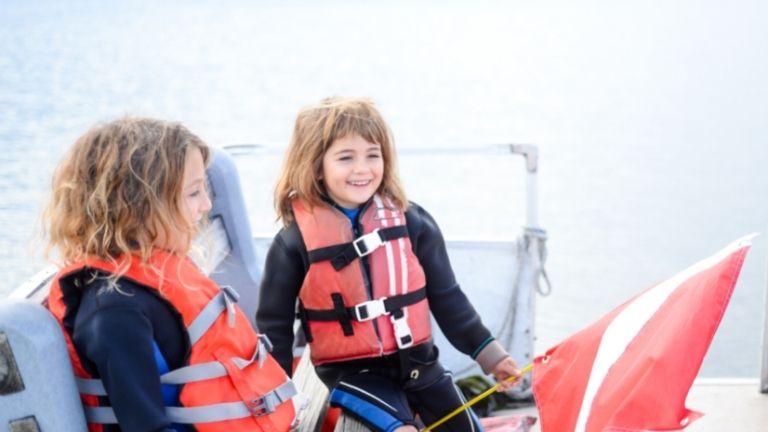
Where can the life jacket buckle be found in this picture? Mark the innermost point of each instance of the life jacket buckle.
(370, 309)
(261, 406)
(263, 347)
(264, 339)
(403, 335)
(231, 293)
(370, 242)
(230, 298)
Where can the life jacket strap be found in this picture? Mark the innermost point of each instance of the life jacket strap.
(301, 314)
(223, 301)
(341, 255)
(365, 311)
(264, 405)
(187, 374)
(341, 314)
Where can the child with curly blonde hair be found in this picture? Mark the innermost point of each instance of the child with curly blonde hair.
(154, 343)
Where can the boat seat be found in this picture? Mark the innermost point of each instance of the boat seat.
(37, 387)
(224, 250)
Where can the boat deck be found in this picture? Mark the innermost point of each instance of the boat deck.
(727, 404)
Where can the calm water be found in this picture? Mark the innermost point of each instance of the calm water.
(651, 120)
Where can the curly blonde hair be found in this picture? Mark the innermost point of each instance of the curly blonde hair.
(316, 128)
(118, 190)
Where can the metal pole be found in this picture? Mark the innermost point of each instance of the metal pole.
(764, 372)
(532, 209)
(531, 154)
(521, 345)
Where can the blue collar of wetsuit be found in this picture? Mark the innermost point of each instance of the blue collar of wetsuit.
(351, 214)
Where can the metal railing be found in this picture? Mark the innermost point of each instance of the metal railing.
(764, 371)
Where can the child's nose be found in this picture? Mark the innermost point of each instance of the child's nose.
(207, 205)
(362, 165)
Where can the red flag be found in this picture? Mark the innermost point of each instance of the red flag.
(631, 370)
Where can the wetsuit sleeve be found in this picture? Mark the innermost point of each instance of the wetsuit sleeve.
(118, 341)
(283, 276)
(449, 305)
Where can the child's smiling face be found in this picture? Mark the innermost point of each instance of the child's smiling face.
(352, 170)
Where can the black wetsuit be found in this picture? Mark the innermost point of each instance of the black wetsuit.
(284, 272)
(113, 332)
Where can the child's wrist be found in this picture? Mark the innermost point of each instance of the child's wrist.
(490, 356)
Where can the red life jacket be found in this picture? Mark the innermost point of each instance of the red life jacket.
(342, 319)
(231, 382)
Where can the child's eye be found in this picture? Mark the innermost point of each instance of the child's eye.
(194, 194)
(374, 155)
(345, 158)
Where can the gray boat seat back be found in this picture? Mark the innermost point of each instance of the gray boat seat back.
(37, 385)
(224, 250)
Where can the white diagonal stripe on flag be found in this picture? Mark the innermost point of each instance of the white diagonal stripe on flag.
(628, 323)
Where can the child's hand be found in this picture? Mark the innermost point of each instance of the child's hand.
(505, 369)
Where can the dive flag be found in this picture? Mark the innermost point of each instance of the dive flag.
(631, 370)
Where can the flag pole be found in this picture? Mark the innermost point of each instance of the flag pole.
(476, 399)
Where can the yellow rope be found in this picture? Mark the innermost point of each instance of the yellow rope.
(475, 400)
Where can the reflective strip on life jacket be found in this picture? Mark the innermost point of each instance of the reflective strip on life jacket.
(208, 413)
(399, 318)
(186, 374)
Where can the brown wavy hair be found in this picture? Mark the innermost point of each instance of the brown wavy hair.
(118, 190)
(316, 128)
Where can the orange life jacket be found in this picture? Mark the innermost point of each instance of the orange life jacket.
(231, 383)
(342, 319)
